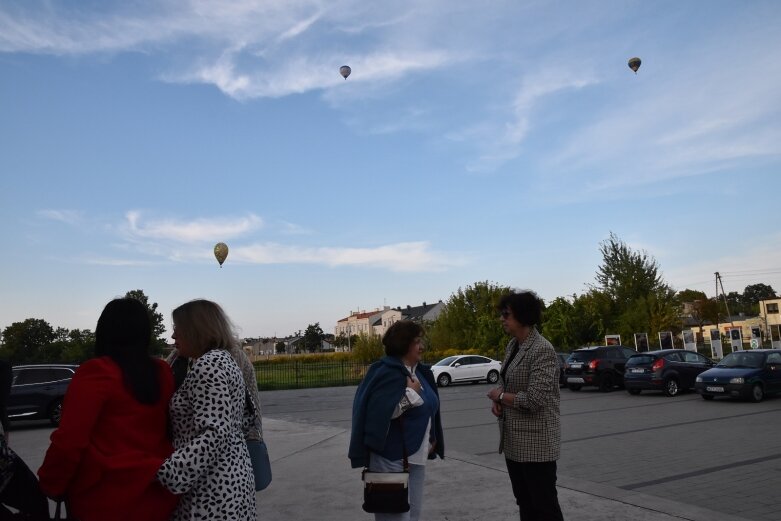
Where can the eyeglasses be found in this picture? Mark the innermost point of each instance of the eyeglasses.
(505, 314)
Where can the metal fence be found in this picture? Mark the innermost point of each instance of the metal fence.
(295, 374)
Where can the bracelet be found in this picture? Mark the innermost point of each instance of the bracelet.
(501, 397)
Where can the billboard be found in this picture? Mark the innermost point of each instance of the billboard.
(641, 342)
(715, 345)
(612, 340)
(666, 340)
(689, 341)
(736, 339)
(756, 337)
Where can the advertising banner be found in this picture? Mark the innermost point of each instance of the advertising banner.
(756, 337)
(689, 342)
(715, 345)
(666, 340)
(736, 339)
(775, 336)
(612, 340)
(641, 342)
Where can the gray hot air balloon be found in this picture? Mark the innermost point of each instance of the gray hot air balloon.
(345, 71)
(221, 252)
(634, 63)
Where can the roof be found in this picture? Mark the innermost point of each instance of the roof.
(417, 312)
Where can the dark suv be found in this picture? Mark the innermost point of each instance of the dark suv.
(667, 370)
(601, 366)
(37, 391)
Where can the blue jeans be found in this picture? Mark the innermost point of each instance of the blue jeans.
(417, 474)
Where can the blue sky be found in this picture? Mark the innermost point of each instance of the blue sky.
(473, 141)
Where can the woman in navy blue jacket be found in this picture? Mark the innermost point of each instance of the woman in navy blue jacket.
(396, 407)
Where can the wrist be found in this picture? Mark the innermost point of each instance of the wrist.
(501, 397)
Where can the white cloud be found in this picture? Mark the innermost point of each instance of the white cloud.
(65, 216)
(404, 256)
(198, 230)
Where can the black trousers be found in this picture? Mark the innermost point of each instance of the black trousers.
(23, 494)
(534, 487)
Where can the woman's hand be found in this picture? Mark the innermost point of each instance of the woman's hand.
(431, 447)
(414, 384)
(496, 409)
(494, 393)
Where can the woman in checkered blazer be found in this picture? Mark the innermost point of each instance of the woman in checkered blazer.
(526, 402)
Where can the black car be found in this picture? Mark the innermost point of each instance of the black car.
(669, 370)
(37, 391)
(743, 374)
(600, 366)
(562, 367)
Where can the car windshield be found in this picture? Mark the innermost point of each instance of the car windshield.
(641, 360)
(447, 361)
(582, 356)
(743, 361)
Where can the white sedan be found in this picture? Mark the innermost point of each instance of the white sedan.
(466, 368)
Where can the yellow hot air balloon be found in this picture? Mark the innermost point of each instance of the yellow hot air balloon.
(634, 63)
(220, 252)
(345, 71)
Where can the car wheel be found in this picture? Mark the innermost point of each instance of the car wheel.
(633, 391)
(443, 380)
(493, 377)
(707, 397)
(55, 412)
(671, 387)
(574, 387)
(757, 393)
(606, 384)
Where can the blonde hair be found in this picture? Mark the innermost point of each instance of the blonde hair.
(204, 325)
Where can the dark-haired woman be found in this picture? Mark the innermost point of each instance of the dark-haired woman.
(396, 410)
(112, 437)
(527, 405)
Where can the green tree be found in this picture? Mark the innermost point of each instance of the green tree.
(367, 348)
(592, 317)
(753, 293)
(469, 320)
(158, 323)
(28, 341)
(280, 347)
(626, 275)
(79, 347)
(313, 337)
(558, 323)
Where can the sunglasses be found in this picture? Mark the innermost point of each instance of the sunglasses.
(505, 314)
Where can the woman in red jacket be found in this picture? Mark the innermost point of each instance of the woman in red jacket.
(113, 434)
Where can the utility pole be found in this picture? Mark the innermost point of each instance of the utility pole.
(723, 295)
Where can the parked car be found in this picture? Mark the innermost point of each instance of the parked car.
(37, 391)
(466, 368)
(744, 374)
(668, 370)
(600, 366)
(562, 367)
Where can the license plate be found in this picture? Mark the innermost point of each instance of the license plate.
(576, 366)
(637, 370)
(715, 389)
(575, 380)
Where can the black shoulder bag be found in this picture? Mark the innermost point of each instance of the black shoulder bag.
(387, 492)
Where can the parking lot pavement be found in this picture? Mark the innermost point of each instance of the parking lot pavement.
(646, 457)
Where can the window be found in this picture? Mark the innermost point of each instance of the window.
(692, 358)
(34, 376)
(774, 358)
(771, 308)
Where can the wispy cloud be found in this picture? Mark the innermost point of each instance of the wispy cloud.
(404, 256)
(198, 230)
(65, 216)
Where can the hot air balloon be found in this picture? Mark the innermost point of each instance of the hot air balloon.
(220, 252)
(634, 63)
(345, 71)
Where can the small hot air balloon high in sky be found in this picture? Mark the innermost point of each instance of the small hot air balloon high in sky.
(345, 71)
(634, 63)
(220, 252)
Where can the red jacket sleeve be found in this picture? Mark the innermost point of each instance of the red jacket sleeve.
(87, 393)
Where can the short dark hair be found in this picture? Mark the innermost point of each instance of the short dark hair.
(124, 333)
(399, 337)
(525, 306)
